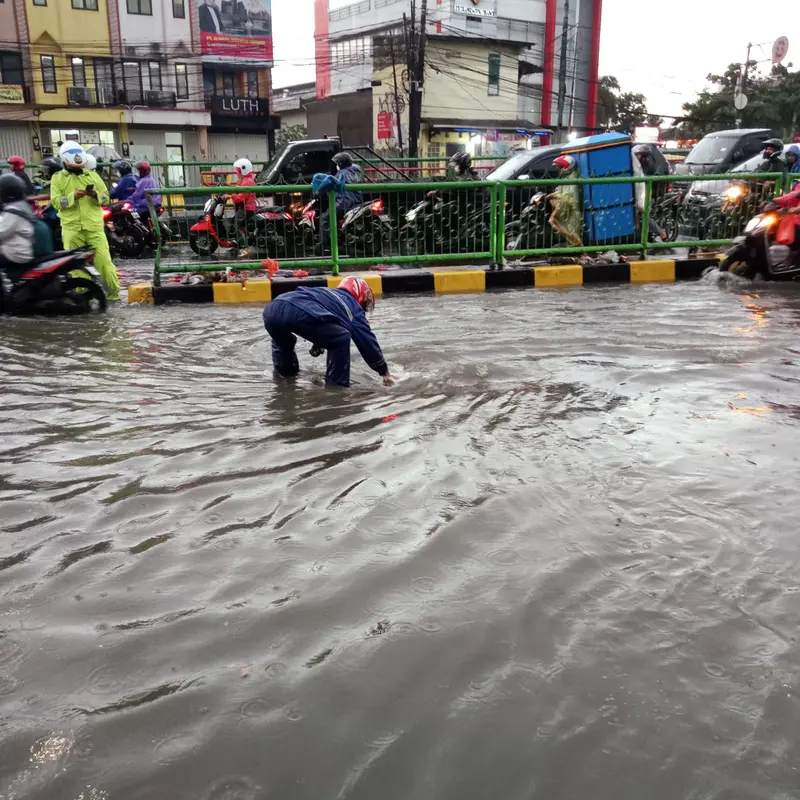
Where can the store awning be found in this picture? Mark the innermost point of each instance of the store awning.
(478, 125)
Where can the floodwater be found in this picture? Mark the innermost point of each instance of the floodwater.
(568, 568)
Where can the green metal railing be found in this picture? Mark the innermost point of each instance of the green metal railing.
(469, 222)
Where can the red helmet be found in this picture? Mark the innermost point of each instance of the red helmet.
(565, 162)
(359, 288)
(16, 163)
(143, 167)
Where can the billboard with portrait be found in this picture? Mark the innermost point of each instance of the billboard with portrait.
(239, 29)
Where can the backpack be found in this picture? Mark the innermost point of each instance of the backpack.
(42, 235)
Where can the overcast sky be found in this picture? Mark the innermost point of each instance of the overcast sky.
(667, 63)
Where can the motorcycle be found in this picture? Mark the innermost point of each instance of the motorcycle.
(49, 285)
(274, 229)
(364, 230)
(124, 230)
(437, 225)
(533, 230)
(770, 248)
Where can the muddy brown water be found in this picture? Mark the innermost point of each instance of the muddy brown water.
(567, 569)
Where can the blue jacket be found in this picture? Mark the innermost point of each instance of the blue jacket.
(348, 200)
(139, 199)
(339, 306)
(124, 189)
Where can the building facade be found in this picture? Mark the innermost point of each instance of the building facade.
(492, 74)
(139, 76)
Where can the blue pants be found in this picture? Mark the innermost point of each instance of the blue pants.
(284, 323)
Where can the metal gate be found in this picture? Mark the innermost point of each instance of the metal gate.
(229, 147)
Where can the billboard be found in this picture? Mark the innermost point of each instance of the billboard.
(236, 29)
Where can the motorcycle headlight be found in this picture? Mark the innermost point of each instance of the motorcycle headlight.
(733, 193)
(762, 222)
(208, 206)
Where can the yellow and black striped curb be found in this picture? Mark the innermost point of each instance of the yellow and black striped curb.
(432, 281)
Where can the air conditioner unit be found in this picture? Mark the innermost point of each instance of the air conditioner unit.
(131, 97)
(106, 96)
(161, 99)
(79, 96)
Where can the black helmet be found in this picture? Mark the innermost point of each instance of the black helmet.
(123, 167)
(775, 144)
(12, 189)
(461, 161)
(343, 160)
(51, 165)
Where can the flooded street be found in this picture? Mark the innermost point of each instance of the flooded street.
(567, 569)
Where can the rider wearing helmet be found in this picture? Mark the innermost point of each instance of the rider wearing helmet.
(346, 172)
(774, 160)
(17, 164)
(329, 319)
(461, 164)
(645, 165)
(246, 204)
(16, 226)
(565, 201)
(91, 162)
(127, 183)
(793, 158)
(79, 196)
(146, 181)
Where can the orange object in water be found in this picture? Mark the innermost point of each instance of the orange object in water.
(299, 273)
(390, 417)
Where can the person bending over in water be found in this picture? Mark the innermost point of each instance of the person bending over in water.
(329, 319)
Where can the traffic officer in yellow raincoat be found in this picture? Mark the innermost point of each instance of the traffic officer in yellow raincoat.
(79, 195)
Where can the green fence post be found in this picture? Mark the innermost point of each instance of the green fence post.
(648, 202)
(157, 231)
(501, 226)
(334, 232)
(493, 225)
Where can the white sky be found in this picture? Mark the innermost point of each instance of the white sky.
(668, 62)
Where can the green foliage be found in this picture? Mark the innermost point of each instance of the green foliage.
(774, 102)
(291, 133)
(621, 111)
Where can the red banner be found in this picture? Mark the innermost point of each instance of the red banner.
(384, 125)
(218, 44)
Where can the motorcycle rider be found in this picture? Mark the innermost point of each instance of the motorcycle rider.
(774, 160)
(645, 165)
(346, 172)
(79, 196)
(793, 158)
(146, 181)
(17, 164)
(566, 216)
(127, 182)
(329, 319)
(461, 164)
(246, 204)
(16, 227)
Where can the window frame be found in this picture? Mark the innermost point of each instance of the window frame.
(494, 66)
(182, 77)
(52, 68)
(125, 85)
(228, 76)
(81, 62)
(182, 5)
(18, 68)
(159, 73)
(252, 75)
(84, 6)
(40, 3)
(138, 4)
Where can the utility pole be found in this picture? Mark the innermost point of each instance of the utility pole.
(741, 88)
(397, 107)
(423, 36)
(562, 73)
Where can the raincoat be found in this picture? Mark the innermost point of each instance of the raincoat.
(82, 222)
(328, 318)
(246, 199)
(125, 188)
(139, 199)
(347, 200)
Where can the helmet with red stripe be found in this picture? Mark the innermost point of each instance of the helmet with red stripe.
(359, 289)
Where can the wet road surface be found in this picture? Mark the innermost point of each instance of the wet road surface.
(567, 569)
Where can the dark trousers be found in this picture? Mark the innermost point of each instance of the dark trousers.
(245, 222)
(325, 229)
(284, 323)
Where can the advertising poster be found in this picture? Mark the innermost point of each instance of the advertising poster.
(236, 29)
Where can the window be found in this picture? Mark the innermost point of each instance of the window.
(140, 7)
(11, 69)
(104, 75)
(182, 81)
(132, 77)
(179, 9)
(86, 5)
(78, 72)
(49, 74)
(209, 81)
(252, 84)
(155, 76)
(174, 143)
(494, 73)
(228, 85)
(40, 2)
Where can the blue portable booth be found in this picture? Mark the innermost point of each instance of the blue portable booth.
(609, 210)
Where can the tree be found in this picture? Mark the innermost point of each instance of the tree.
(773, 102)
(290, 133)
(622, 111)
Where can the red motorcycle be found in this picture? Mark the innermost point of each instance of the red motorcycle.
(274, 228)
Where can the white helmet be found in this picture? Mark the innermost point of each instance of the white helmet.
(73, 155)
(91, 161)
(243, 166)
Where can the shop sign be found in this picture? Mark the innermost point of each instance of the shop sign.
(239, 106)
(11, 94)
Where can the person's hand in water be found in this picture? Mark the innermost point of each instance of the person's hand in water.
(388, 380)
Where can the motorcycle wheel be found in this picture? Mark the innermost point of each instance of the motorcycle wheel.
(84, 296)
(202, 242)
(734, 257)
(130, 244)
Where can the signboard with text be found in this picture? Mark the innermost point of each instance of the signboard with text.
(239, 106)
(238, 29)
(11, 94)
(475, 9)
(385, 127)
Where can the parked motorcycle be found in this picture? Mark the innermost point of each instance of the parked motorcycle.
(274, 229)
(533, 230)
(770, 248)
(50, 285)
(363, 231)
(440, 224)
